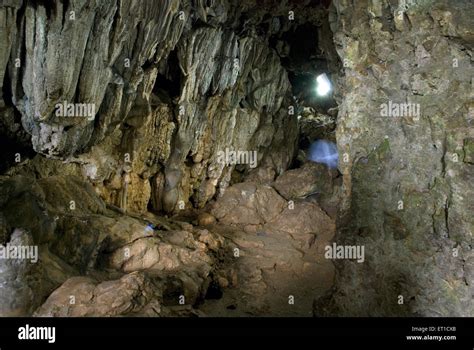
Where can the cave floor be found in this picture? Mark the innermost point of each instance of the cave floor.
(274, 274)
(258, 250)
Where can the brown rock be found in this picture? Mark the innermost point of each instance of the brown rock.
(84, 296)
(311, 178)
(248, 203)
(206, 219)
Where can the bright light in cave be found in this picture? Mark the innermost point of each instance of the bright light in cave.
(323, 85)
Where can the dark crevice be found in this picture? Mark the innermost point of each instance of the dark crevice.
(6, 89)
(214, 291)
(168, 82)
(14, 141)
(173, 290)
(65, 11)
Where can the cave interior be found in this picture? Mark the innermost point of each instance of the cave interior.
(236, 158)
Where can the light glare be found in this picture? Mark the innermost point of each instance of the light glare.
(324, 85)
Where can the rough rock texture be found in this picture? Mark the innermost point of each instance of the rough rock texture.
(248, 203)
(167, 89)
(94, 261)
(277, 265)
(172, 87)
(168, 94)
(312, 181)
(83, 296)
(407, 179)
(19, 279)
(86, 238)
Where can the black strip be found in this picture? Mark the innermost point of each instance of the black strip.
(89, 332)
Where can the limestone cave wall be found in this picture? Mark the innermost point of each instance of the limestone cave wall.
(408, 174)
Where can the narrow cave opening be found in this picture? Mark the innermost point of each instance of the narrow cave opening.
(169, 79)
(308, 54)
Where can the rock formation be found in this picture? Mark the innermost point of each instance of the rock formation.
(156, 157)
(407, 181)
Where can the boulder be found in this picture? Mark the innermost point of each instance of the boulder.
(310, 179)
(248, 203)
(85, 296)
